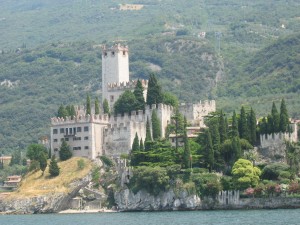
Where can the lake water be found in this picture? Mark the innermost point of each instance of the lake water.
(229, 217)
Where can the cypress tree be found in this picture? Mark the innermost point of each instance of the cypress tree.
(97, 107)
(284, 117)
(53, 167)
(234, 127)
(186, 152)
(134, 151)
(276, 118)
(88, 105)
(106, 107)
(62, 112)
(139, 96)
(236, 148)
(270, 124)
(215, 136)
(43, 162)
(148, 139)
(64, 151)
(154, 92)
(141, 145)
(252, 127)
(243, 126)
(156, 132)
(209, 151)
(72, 112)
(222, 128)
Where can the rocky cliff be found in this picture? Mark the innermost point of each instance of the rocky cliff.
(126, 200)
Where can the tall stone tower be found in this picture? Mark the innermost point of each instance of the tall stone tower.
(115, 70)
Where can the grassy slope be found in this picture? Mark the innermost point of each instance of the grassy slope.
(34, 184)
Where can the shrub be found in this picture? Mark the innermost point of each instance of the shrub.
(294, 188)
(107, 161)
(80, 164)
(272, 171)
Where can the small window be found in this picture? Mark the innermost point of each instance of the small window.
(78, 129)
(105, 54)
(54, 131)
(62, 130)
(86, 128)
(113, 53)
(66, 139)
(124, 53)
(86, 138)
(70, 130)
(55, 140)
(86, 147)
(56, 149)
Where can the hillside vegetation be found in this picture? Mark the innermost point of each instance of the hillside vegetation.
(34, 184)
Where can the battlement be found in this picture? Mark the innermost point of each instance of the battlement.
(80, 119)
(125, 85)
(114, 49)
(201, 104)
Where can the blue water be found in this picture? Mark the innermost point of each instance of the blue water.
(234, 217)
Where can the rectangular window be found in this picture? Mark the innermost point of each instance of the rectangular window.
(56, 149)
(86, 138)
(86, 147)
(112, 98)
(76, 138)
(86, 128)
(54, 131)
(78, 129)
(55, 140)
(74, 130)
(66, 139)
(70, 130)
(62, 130)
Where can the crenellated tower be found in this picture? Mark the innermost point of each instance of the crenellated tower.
(115, 69)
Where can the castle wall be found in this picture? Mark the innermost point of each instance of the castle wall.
(194, 113)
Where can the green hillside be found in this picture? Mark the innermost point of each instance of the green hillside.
(50, 54)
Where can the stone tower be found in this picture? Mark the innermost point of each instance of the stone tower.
(115, 69)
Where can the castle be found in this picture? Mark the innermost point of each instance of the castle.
(95, 135)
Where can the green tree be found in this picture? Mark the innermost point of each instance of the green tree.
(154, 92)
(43, 162)
(170, 99)
(62, 112)
(125, 103)
(243, 125)
(135, 151)
(88, 105)
(148, 131)
(106, 107)
(97, 106)
(186, 151)
(139, 96)
(156, 132)
(276, 118)
(234, 126)
(53, 167)
(270, 124)
(34, 151)
(284, 117)
(245, 174)
(252, 127)
(141, 145)
(65, 151)
(222, 127)
(209, 151)
(15, 158)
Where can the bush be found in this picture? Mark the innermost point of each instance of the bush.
(272, 171)
(153, 180)
(227, 183)
(80, 164)
(207, 184)
(107, 161)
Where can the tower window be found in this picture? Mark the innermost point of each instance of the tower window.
(124, 53)
(113, 53)
(105, 54)
(112, 98)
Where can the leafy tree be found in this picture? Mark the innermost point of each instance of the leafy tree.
(53, 167)
(88, 105)
(71, 111)
(245, 174)
(154, 92)
(275, 118)
(97, 107)
(156, 132)
(139, 96)
(284, 117)
(65, 151)
(80, 164)
(106, 107)
(34, 151)
(15, 158)
(125, 103)
(272, 171)
(170, 99)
